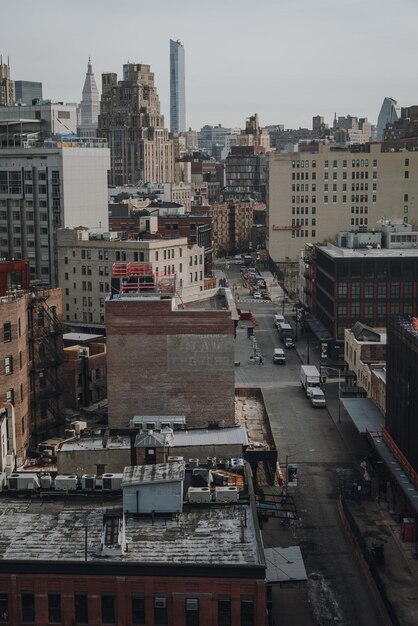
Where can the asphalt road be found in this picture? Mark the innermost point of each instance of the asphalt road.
(337, 593)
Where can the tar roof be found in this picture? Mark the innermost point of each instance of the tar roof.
(54, 531)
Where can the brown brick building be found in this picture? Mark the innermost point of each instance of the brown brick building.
(233, 225)
(165, 361)
(30, 355)
(84, 374)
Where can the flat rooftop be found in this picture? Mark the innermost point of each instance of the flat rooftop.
(54, 531)
(375, 253)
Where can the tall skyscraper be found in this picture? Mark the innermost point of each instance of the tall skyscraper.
(389, 112)
(7, 85)
(130, 119)
(90, 105)
(177, 88)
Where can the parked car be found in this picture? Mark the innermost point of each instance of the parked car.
(257, 295)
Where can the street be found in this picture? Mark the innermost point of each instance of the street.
(309, 437)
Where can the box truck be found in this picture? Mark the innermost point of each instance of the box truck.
(309, 377)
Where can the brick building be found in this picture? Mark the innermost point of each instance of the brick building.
(30, 355)
(402, 386)
(167, 361)
(99, 563)
(233, 225)
(83, 374)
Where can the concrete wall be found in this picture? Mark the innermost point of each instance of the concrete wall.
(169, 362)
(86, 461)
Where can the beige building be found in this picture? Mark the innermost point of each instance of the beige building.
(85, 262)
(364, 350)
(131, 121)
(310, 197)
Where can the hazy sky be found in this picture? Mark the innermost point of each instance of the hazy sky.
(285, 59)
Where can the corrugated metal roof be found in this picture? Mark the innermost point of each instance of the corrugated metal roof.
(162, 472)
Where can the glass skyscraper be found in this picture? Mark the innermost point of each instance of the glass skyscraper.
(177, 88)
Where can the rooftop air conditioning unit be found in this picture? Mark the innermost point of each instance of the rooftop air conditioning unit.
(226, 494)
(160, 603)
(111, 482)
(70, 433)
(78, 426)
(88, 482)
(194, 462)
(198, 495)
(66, 482)
(46, 481)
(175, 459)
(12, 481)
(24, 482)
(237, 462)
(84, 352)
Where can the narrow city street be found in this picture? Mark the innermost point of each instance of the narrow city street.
(336, 592)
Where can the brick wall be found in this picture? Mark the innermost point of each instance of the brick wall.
(169, 362)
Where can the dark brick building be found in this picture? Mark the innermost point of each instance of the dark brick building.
(364, 285)
(402, 386)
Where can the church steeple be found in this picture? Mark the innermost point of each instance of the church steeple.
(90, 105)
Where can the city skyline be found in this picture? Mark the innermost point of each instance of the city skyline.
(337, 56)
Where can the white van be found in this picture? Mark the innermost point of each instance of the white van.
(317, 397)
(278, 319)
(279, 356)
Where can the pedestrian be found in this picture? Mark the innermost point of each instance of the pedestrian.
(261, 360)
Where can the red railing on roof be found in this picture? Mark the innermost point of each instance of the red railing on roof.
(400, 457)
(132, 269)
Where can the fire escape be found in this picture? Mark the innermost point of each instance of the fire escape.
(45, 353)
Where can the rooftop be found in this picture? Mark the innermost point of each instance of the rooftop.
(54, 531)
(375, 253)
(162, 472)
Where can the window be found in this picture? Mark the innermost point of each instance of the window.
(81, 610)
(4, 608)
(192, 612)
(138, 610)
(10, 396)
(28, 607)
(247, 613)
(7, 331)
(160, 611)
(8, 365)
(54, 607)
(108, 610)
(406, 174)
(224, 612)
(342, 289)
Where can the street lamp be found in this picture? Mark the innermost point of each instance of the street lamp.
(334, 369)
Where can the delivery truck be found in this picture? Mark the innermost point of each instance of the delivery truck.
(286, 335)
(309, 378)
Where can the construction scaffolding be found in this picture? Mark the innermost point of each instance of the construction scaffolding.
(140, 277)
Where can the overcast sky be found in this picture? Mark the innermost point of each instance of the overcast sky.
(285, 59)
